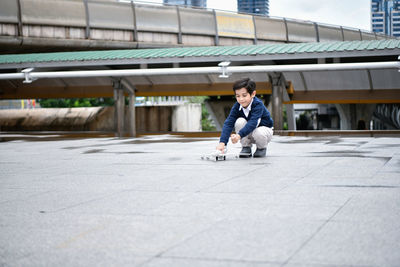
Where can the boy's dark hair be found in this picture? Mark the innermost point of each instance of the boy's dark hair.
(245, 83)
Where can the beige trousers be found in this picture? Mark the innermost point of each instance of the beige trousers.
(261, 135)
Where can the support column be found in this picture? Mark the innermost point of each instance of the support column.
(119, 108)
(277, 104)
(291, 120)
(277, 107)
(115, 109)
(290, 117)
(132, 114)
(131, 107)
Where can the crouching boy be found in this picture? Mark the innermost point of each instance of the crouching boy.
(250, 118)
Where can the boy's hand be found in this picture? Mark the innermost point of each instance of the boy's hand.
(221, 147)
(235, 138)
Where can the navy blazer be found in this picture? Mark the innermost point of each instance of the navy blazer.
(258, 111)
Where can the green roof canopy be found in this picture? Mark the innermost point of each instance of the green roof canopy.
(201, 52)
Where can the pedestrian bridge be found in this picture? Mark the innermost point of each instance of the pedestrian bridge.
(49, 25)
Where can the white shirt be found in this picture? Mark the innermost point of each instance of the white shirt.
(247, 110)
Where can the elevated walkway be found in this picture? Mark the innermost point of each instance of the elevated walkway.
(65, 25)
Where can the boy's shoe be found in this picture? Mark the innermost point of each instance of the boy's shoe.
(260, 152)
(245, 153)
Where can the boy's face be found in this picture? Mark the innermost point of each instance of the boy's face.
(243, 97)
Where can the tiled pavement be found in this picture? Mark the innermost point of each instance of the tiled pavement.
(152, 201)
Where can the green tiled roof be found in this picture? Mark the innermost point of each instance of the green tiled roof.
(264, 49)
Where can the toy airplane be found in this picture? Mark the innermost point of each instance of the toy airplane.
(218, 155)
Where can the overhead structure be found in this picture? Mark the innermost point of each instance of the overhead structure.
(55, 25)
(336, 72)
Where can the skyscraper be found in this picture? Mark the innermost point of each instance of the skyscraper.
(253, 6)
(385, 17)
(198, 3)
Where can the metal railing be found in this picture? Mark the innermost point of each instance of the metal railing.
(224, 70)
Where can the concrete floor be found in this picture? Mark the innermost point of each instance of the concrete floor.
(152, 201)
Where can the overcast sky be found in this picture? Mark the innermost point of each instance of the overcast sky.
(349, 13)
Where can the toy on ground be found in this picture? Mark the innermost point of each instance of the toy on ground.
(218, 155)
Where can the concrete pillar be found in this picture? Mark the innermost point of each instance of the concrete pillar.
(355, 116)
(120, 113)
(131, 122)
(132, 114)
(277, 107)
(290, 117)
(277, 100)
(119, 109)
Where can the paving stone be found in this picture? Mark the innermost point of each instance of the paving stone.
(151, 201)
(249, 239)
(355, 243)
(162, 261)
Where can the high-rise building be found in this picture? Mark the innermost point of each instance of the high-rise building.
(385, 17)
(198, 3)
(253, 6)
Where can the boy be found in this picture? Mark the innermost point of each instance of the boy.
(251, 119)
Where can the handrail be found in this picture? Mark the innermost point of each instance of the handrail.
(225, 71)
